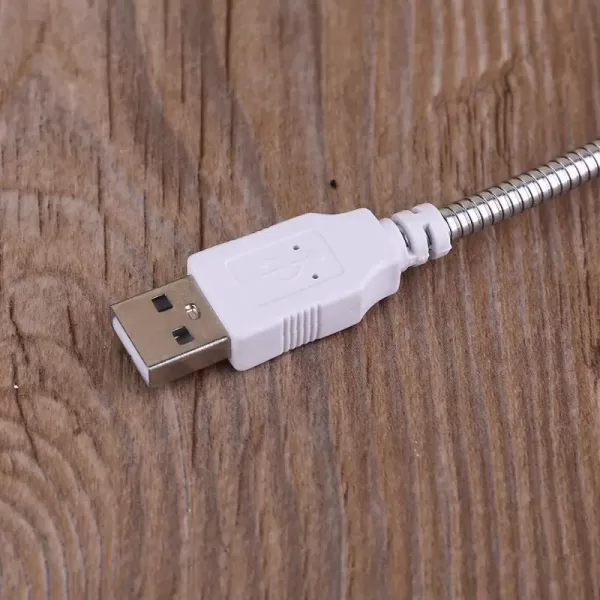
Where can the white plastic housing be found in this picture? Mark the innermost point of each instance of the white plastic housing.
(299, 281)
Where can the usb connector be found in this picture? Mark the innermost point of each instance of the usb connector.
(254, 298)
(170, 331)
(259, 296)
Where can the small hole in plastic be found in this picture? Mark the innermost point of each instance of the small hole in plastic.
(296, 247)
(315, 276)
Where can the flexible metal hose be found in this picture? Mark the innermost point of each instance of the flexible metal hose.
(501, 202)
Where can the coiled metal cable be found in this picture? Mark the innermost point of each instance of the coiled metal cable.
(530, 189)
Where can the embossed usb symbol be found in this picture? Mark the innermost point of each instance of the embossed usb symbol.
(283, 268)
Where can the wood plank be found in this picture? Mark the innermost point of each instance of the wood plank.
(446, 447)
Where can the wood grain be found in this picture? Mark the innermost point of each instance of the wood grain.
(449, 446)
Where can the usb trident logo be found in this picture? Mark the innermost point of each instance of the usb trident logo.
(285, 267)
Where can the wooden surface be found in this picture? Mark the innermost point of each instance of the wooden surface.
(449, 446)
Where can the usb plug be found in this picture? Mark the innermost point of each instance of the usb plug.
(259, 296)
(170, 331)
(254, 298)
